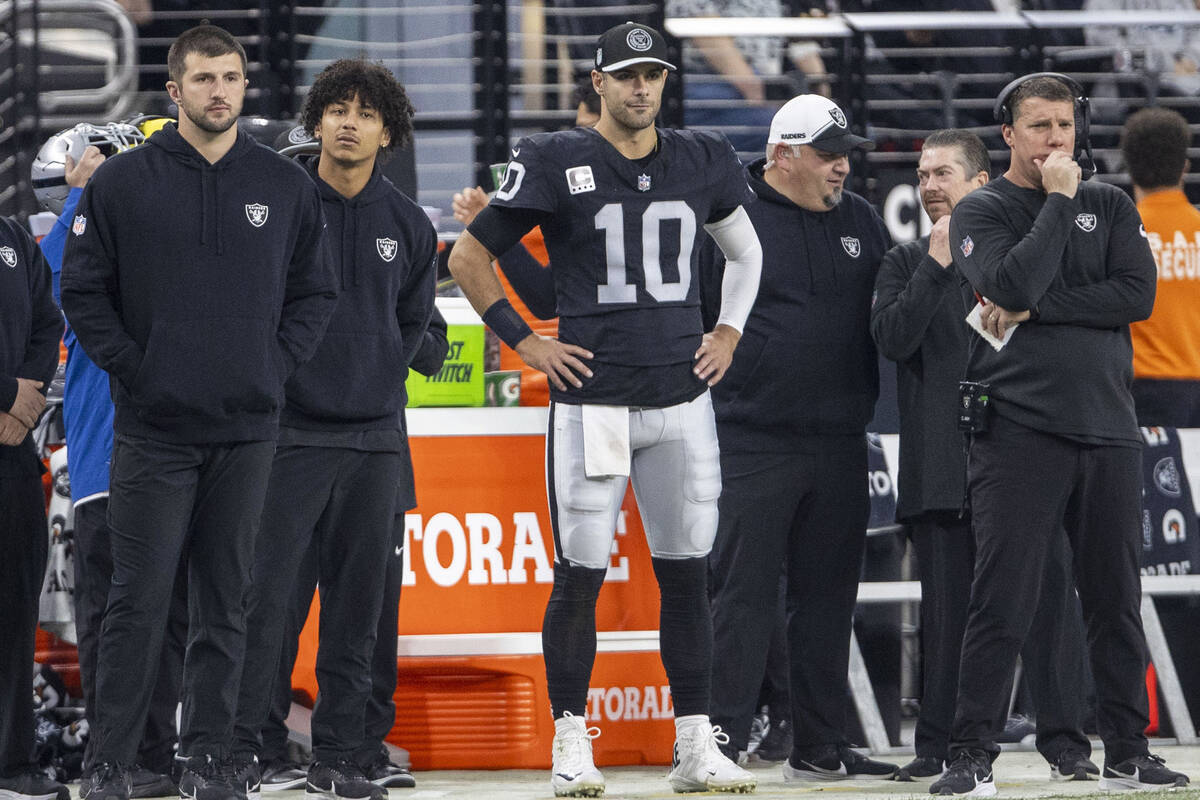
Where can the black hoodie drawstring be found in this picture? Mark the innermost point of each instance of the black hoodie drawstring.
(349, 246)
(216, 200)
(203, 206)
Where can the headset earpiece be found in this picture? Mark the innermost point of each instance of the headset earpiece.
(1002, 113)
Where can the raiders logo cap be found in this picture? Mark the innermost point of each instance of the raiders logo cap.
(629, 44)
(815, 120)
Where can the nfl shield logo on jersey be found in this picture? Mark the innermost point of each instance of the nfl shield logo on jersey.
(9, 255)
(386, 248)
(643, 183)
(1086, 222)
(79, 226)
(257, 214)
(852, 246)
(967, 246)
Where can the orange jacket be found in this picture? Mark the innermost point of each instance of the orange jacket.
(1167, 345)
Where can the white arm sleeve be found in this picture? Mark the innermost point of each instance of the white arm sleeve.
(743, 266)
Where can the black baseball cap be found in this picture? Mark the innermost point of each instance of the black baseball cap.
(629, 44)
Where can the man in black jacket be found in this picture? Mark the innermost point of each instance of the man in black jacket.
(1069, 263)
(197, 276)
(342, 449)
(917, 320)
(30, 327)
(791, 419)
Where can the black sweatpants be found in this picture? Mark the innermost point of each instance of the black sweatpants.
(1026, 487)
(167, 502)
(1053, 653)
(808, 511)
(275, 730)
(381, 706)
(24, 539)
(93, 578)
(342, 500)
(380, 714)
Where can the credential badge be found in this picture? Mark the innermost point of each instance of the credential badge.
(386, 248)
(967, 246)
(1086, 222)
(80, 225)
(257, 214)
(838, 117)
(852, 246)
(643, 183)
(579, 179)
(9, 255)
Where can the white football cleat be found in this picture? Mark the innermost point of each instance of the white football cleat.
(573, 773)
(700, 766)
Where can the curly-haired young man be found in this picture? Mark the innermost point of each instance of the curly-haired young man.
(341, 452)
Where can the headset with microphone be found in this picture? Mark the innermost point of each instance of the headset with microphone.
(1083, 116)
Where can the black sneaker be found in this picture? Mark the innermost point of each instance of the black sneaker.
(33, 785)
(382, 772)
(1072, 765)
(776, 744)
(969, 774)
(835, 763)
(148, 783)
(105, 781)
(919, 768)
(341, 780)
(1141, 772)
(278, 776)
(248, 773)
(208, 778)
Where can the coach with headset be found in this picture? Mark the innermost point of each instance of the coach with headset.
(1058, 268)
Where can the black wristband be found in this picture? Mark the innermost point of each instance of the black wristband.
(502, 318)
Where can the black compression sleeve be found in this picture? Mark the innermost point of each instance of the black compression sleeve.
(498, 229)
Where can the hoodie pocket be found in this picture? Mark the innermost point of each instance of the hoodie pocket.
(352, 377)
(216, 367)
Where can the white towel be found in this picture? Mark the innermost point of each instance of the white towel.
(605, 440)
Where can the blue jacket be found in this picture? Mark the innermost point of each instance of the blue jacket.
(87, 404)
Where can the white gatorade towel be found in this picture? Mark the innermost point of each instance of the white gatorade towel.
(605, 440)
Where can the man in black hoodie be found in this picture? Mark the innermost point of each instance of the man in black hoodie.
(30, 327)
(918, 320)
(791, 418)
(197, 276)
(342, 449)
(1067, 261)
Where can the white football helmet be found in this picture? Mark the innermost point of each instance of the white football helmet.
(49, 166)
